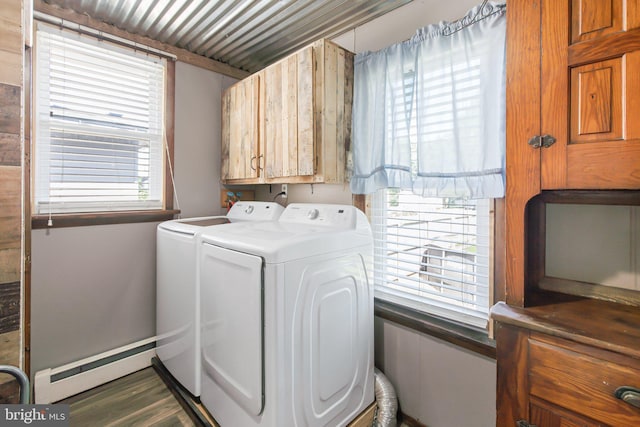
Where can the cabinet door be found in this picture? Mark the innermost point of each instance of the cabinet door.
(590, 86)
(543, 415)
(288, 116)
(240, 150)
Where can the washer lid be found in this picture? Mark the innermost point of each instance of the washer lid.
(240, 211)
(303, 230)
(191, 226)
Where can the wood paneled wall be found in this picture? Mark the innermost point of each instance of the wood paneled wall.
(11, 139)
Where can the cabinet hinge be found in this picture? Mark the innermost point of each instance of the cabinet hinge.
(545, 141)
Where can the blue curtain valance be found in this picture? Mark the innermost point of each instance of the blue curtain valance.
(429, 113)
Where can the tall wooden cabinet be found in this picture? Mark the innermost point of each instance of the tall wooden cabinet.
(573, 73)
(291, 122)
(567, 357)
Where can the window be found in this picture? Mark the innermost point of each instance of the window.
(433, 254)
(429, 143)
(99, 126)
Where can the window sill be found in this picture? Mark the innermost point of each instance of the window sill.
(101, 218)
(446, 330)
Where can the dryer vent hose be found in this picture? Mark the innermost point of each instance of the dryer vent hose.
(386, 400)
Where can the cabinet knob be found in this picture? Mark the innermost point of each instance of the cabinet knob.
(630, 395)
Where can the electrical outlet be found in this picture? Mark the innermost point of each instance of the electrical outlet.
(284, 190)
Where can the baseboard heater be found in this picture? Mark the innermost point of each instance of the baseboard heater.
(54, 384)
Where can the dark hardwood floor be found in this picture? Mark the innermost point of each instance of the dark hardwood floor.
(139, 399)
(143, 399)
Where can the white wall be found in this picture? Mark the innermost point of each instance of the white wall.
(93, 288)
(402, 23)
(307, 193)
(197, 136)
(594, 244)
(438, 384)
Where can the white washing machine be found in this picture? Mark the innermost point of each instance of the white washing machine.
(177, 295)
(287, 319)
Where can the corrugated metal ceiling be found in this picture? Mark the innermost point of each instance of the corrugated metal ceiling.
(245, 34)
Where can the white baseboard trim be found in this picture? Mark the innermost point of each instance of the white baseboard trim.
(91, 372)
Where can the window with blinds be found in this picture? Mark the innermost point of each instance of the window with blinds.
(99, 116)
(433, 254)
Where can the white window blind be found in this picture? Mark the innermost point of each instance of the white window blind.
(99, 111)
(433, 254)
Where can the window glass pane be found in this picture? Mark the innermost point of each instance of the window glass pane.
(433, 254)
(99, 136)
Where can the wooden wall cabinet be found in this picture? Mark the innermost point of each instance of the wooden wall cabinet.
(297, 125)
(241, 153)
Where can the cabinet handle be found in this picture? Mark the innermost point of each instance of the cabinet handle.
(535, 141)
(251, 163)
(545, 141)
(261, 162)
(523, 423)
(631, 395)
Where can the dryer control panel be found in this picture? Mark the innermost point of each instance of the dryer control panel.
(337, 216)
(255, 211)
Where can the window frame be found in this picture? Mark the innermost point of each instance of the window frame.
(61, 220)
(464, 336)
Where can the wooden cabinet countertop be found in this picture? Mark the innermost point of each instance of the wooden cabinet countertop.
(600, 324)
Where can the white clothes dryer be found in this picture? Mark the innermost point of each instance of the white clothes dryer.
(177, 295)
(287, 319)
